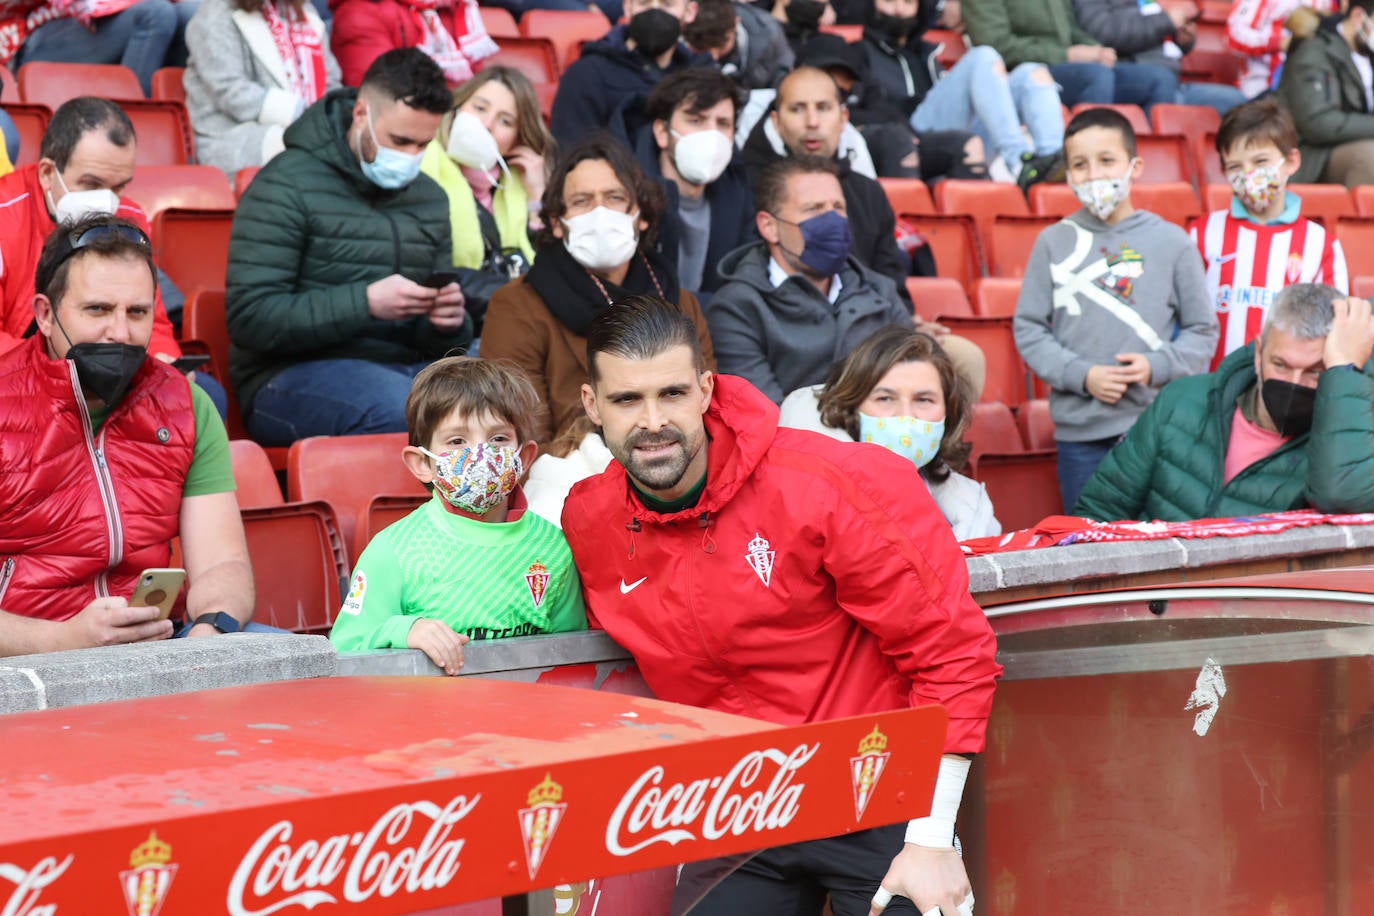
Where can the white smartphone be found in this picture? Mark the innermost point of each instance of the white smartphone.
(158, 588)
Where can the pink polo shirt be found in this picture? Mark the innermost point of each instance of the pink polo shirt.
(1249, 443)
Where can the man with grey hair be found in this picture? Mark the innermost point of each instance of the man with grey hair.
(1286, 422)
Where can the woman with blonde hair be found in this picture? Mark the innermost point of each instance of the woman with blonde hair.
(489, 157)
(899, 389)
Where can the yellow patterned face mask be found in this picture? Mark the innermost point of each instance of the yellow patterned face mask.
(917, 440)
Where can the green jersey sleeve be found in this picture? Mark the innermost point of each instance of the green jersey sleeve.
(569, 613)
(211, 470)
(372, 615)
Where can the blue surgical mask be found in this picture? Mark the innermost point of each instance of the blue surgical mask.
(916, 440)
(825, 242)
(391, 169)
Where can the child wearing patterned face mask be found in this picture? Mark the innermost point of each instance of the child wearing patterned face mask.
(471, 563)
(1261, 242)
(1112, 305)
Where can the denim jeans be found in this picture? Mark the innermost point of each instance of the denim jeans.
(138, 38)
(331, 397)
(216, 392)
(1077, 461)
(971, 96)
(1124, 84)
(177, 53)
(1213, 95)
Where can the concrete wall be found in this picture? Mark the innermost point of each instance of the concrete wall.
(178, 666)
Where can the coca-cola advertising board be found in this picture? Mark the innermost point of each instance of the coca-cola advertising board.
(396, 795)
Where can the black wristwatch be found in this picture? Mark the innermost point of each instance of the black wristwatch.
(225, 623)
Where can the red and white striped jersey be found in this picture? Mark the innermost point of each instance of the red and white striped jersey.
(1248, 264)
(1254, 28)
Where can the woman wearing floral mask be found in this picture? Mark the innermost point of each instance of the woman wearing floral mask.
(596, 246)
(898, 389)
(489, 157)
(255, 66)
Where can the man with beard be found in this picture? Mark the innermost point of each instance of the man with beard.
(1286, 422)
(1328, 85)
(778, 574)
(606, 86)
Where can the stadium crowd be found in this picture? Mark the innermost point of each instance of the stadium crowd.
(656, 276)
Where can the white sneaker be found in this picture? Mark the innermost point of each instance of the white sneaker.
(999, 170)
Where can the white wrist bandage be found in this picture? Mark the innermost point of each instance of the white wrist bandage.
(937, 830)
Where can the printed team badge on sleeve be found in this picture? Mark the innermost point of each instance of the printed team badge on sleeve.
(760, 556)
(867, 768)
(149, 876)
(540, 821)
(537, 581)
(353, 604)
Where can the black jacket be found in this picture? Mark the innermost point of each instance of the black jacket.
(899, 75)
(732, 212)
(606, 87)
(871, 220)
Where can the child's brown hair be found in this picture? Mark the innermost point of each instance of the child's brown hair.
(1256, 122)
(474, 386)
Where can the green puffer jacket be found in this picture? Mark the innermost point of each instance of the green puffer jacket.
(1169, 466)
(309, 235)
(1025, 31)
(1325, 93)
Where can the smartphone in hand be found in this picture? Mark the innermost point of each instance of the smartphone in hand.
(158, 588)
(441, 278)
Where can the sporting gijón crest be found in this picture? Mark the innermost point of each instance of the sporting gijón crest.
(866, 768)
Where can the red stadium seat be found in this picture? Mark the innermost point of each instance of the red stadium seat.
(9, 87)
(567, 29)
(253, 475)
(499, 23)
(1362, 286)
(1214, 11)
(1356, 235)
(1166, 158)
(32, 123)
(1013, 237)
(1211, 59)
(1364, 199)
(1036, 425)
(907, 195)
(850, 33)
(534, 57)
(995, 297)
(993, 429)
(1133, 113)
(1023, 488)
(51, 84)
(386, 510)
(982, 200)
(168, 86)
(938, 296)
(348, 471)
(244, 177)
(1216, 197)
(192, 246)
(953, 241)
(203, 319)
(1192, 121)
(163, 130)
(1327, 202)
(193, 187)
(952, 46)
(299, 565)
(1209, 168)
(1047, 199)
(1175, 201)
(1007, 378)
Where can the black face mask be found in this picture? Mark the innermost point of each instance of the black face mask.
(654, 31)
(896, 28)
(1290, 406)
(104, 369)
(804, 14)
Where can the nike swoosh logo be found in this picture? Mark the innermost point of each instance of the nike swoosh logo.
(626, 589)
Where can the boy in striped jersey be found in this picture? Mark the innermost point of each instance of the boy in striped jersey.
(473, 562)
(1261, 243)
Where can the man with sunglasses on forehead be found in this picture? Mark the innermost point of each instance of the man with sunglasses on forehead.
(105, 456)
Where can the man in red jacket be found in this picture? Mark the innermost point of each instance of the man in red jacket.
(778, 574)
(87, 160)
(105, 456)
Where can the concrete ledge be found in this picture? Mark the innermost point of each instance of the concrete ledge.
(487, 657)
(152, 669)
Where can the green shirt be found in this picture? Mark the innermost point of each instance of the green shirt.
(669, 506)
(211, 470)
(484, 579)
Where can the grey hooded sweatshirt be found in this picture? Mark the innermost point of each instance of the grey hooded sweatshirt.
(787, 338)
(1092, 291)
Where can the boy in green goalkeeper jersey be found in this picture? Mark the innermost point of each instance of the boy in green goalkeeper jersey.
(472, 563)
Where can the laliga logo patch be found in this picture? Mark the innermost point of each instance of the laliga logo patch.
(537, 581)
(353, 604)
(149, 876)
(867, 768)
(540, 821)
(760, 557)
